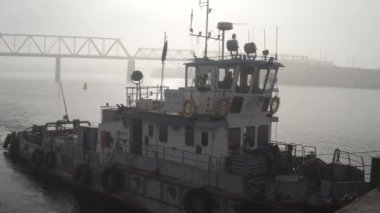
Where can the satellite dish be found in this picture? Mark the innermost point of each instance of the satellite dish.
(137, 77)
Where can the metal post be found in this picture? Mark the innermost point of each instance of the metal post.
(131, 68)
(375, 172)
(57, 69)
(223, 34)
(207, 12)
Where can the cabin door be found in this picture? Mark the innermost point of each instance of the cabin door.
(136, 145)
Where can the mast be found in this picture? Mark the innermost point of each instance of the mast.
(207, 12)
(64, 101)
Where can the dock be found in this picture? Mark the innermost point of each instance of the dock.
(369, 203)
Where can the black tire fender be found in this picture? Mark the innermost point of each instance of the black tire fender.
(198, 201)
(7, 141)
(112, 180)
(82, 174)
(50, 159)
(36, 159)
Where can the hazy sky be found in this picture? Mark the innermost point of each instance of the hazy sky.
(339, 30)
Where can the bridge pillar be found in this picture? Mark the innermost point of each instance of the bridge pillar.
(58, 69)
(131, 68)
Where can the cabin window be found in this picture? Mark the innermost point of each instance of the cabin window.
(203, 77)
(190, 78)
(189, 136)
(249, 136)
(265, 80)
(233, 139)
(204, 139)
(226, 78)
(236, 105)
(262, 76)
(163, 133)
(105, 139)
(271, 80)
(263, 135)
(150, 130)
(176, 128)
(244, 82)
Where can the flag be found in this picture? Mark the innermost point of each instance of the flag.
(164, 51)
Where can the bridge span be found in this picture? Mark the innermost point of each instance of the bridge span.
(54, 46)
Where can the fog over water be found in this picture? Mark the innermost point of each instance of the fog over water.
(344, 31)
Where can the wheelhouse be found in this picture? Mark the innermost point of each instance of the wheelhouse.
(235, 75)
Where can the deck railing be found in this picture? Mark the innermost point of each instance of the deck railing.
(134, 94)
(359, 160)
(203, 161)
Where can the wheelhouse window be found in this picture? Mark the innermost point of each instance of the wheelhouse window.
(225, 78)
(163, 132)
(204, 139)
(271, 79)
(249, 136)
(233, 139)
(189, 136)
(190, 76)
(203, 78)
(264, 80)
(263, 135)
(245, 80)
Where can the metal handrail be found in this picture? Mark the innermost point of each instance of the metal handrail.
(182, 156)
(143, 92)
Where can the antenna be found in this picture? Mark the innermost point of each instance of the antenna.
(275, 56)
(163, 58)
(64, 101)
(207, 34)
(191, 21)
(265, 43)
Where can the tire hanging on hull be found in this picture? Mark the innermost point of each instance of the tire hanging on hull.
(112, 180)
(82, 175)
(49, 160)
(198, 201)
(7, 141)
(12, 144)
(36, 160)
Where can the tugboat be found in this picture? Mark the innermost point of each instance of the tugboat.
(205, 147)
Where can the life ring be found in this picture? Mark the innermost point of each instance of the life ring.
(82, 175)
(189, 108)
(274, 105)
(112, 180)
(197, 201)
(36, 159)
(222, 106)
(49, 159)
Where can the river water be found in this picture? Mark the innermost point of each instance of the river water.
(327, 118)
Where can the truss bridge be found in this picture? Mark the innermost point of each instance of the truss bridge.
(54, 46)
